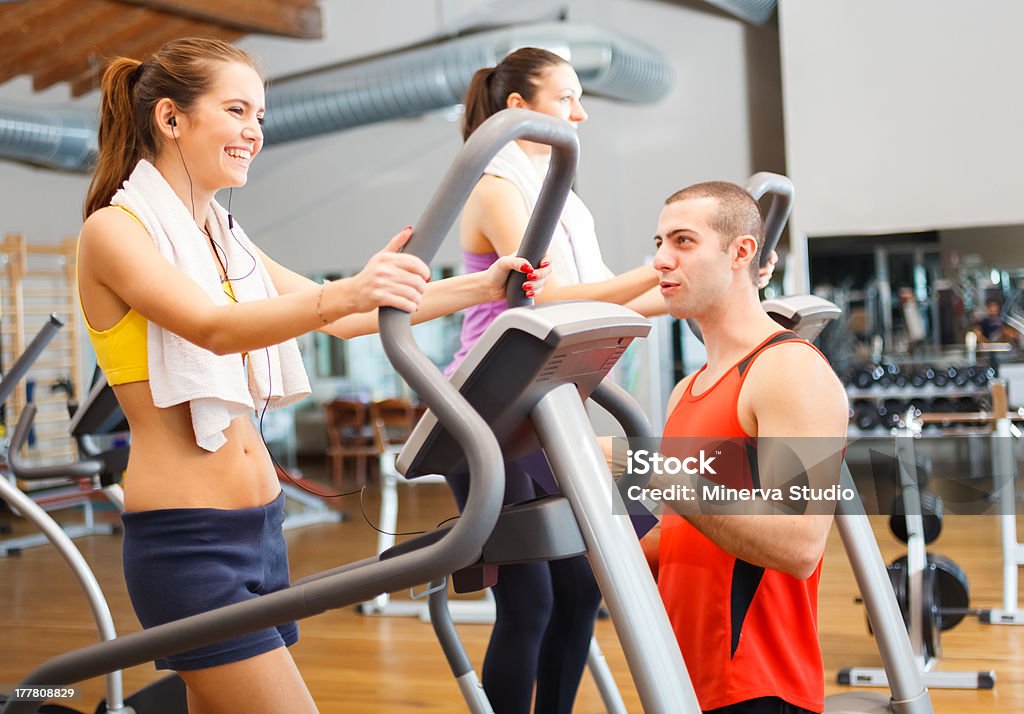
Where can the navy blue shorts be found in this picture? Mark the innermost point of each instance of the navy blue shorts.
(183, 561)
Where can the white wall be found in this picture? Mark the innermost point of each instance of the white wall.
(708, 127)
(903, 115)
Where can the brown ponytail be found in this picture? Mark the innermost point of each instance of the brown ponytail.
(488, 92)
(117, 129)
(182, 71)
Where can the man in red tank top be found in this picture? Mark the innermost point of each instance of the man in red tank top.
(741, 591)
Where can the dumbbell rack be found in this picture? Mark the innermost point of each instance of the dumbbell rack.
(917, 562)
(925, 395)
(1004, 464)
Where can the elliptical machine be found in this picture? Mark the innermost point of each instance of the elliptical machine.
(166, 695)
(523, 404)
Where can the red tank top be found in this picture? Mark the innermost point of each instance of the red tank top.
(744, 631)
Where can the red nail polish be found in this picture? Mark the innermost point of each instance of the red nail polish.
(531, 276)
(529, 293)
(545, 263)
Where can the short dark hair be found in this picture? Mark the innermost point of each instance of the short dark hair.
(737, 214)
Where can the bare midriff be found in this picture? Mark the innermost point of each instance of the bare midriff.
(167, 469)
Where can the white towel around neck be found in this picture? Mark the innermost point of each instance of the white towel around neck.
(575, 254)
(216, 387)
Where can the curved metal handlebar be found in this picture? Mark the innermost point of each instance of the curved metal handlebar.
(782, 191)
(626, 410)
(453, 412)
(469, 165)
(21, 365)
(22, 469)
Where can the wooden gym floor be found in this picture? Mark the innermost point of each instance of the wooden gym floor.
(363, 664)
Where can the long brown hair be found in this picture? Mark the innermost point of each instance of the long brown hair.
(490, 87)
(181, 71)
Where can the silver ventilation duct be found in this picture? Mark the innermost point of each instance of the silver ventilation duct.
(406, 84)
(755, 11)
(435, 77)
(55, 138)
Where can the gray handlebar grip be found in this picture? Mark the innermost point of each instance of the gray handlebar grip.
(479, 444)
(26, 472)
(627, 411)
(505, 126)
(782, 191)
(29, 356)
(624, 408)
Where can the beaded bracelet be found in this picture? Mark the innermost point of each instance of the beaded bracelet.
(319, 300)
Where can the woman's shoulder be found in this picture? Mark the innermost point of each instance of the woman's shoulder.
(109, 216)
(490, 185)
(493, 193)
(108, 226)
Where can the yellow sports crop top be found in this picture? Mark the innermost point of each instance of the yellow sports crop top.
(121, 350)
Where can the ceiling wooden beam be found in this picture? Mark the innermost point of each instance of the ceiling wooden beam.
(94, 46)
(22, 54)
(11, 16)
(291, 18)
(28, 20)
(163, 30)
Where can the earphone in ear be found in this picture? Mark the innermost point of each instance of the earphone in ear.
(172, 121)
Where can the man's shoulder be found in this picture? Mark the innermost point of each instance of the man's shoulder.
(795, 352)
(795, 380)
(792, 365)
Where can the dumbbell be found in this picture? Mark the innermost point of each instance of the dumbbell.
(922, 376)
(880, 375)
(919, 404)
(963, 376)
(941, 377)
(863, 378)
(931, 516)
(893, 376)
(891, 412)
(983, 375)
(865, 415)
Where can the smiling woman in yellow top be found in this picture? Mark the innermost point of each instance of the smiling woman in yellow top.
(202, 527)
